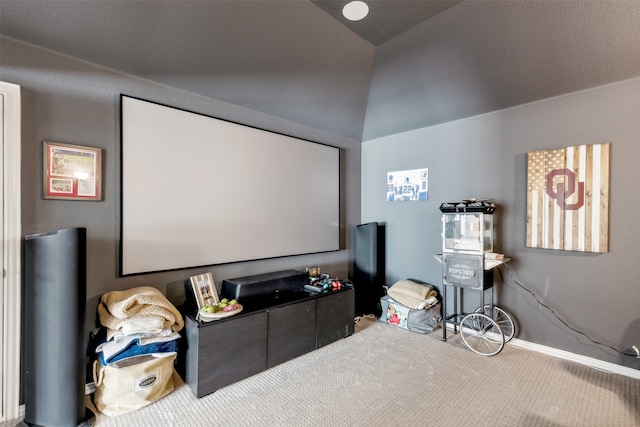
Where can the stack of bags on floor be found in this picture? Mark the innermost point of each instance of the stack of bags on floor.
(136, 358)
(411, 305)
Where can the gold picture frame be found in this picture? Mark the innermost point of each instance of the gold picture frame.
(204, 289)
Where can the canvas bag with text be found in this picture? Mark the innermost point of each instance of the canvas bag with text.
(124, 389)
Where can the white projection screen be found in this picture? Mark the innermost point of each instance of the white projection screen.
(200, 191)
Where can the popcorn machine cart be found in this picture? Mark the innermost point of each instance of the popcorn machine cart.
(468, 262)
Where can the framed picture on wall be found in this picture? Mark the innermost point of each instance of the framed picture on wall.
(204, 289)
(568, 198)
(408, 185)
(71, 172)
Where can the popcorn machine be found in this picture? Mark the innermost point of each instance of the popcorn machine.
(468, 261)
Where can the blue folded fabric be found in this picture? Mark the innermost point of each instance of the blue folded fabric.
(134, 349)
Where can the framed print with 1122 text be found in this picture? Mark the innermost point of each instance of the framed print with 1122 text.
(71, 172)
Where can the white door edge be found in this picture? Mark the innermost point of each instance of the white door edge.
(12, 254)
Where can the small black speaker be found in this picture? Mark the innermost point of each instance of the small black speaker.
(369, 268)
(53, 320)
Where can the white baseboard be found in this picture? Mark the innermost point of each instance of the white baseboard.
(578, 358)
(573, 357)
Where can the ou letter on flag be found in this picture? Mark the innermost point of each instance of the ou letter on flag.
(568, 198)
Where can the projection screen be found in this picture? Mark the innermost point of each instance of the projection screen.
(200, 191)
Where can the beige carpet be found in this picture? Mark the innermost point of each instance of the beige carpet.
(383, 376)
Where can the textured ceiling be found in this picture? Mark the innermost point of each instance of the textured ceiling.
(386, 19)
(409, 64)
(287, 58)
(484, 56)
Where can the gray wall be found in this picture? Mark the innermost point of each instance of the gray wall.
(486, 156)
(478, 57)
(482, 56)
(71, 101)
(434, 73)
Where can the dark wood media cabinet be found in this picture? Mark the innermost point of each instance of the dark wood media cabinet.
(224, 351)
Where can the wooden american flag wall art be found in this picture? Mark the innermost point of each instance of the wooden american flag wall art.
(568, 198)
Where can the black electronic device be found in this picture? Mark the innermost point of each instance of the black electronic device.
(314, 288)
(54, 307)
(261, 284)
(369, 270)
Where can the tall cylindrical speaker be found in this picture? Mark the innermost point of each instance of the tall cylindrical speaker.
(54, 309)
(369, 272)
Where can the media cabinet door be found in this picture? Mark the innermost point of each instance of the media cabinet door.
(230, 351)
(292, 332)
(335, 315)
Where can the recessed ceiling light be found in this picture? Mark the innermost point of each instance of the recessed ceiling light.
(355, 10)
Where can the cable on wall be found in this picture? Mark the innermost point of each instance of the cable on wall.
(557, 316)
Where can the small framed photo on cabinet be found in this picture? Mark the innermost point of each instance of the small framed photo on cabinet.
(204, 289)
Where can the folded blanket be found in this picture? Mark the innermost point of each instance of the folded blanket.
(140, 309)
(135, 349)
(112, 335)
(120, 343)
(412, 294)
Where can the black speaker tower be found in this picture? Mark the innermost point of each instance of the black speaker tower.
(369, 268)
(54, 298)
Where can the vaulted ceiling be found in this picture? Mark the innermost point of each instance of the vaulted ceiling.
(386, 19)
(430, 61)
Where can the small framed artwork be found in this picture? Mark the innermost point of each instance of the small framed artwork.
(408, 185)
(71, 172)
(204, 289)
